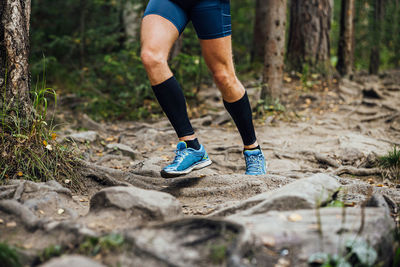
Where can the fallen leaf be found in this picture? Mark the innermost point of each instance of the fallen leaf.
(268, 241)
(379, 185)
(27, 246)
(295, 217)
(60, 211)
(11, 224)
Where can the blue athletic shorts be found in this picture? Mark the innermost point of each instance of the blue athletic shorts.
(211, 18)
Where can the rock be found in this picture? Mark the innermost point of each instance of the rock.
(277, 235)
(86, 122)
(189, 242)
(350, 155)
(83, 137)
(124, 149)
(305, 193)
(150, 167)
(72, 260)
(152, 204)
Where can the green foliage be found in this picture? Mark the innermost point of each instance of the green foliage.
(218, 253)
(270, 105)
(9, 256)
(391, 163)
(29, 149)
(93, 245)
(358, 253)
(88, 53)
(336, 204)
(50, 252)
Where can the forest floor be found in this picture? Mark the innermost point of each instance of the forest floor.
(334, 131)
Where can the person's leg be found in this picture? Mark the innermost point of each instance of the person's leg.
(161, 26)
(218, 56)
(157, 37)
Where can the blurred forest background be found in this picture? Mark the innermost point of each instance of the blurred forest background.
(91, 48)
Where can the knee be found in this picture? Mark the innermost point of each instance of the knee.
(152, 59)
(224, 79)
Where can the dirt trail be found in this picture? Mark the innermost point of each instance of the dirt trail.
(331, 131)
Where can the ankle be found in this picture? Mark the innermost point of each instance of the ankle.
(193, 144)
(252, 148)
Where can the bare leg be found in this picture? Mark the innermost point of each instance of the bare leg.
(218, 56)
(157, 38)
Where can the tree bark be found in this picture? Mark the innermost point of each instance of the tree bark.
(260, 31)
(274, 47)
(309, 39)
(346, 39)
(14, 56)
(377, 24)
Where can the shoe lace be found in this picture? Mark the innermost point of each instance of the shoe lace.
(254, 163)
(179, 155)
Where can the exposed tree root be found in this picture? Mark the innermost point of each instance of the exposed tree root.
(357, 171)
(326, 160)
(26, 216)
(112, 177)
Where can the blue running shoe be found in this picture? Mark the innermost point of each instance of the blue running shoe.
(186, 160)
(255, 162)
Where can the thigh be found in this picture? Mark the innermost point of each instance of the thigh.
(157, 34)
(169, 11)
(211, 19)
(217, 54)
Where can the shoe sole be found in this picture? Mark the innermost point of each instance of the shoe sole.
(197, 166)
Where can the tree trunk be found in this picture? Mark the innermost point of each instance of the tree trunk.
(310, 24)
(274, 48)
(260, 31)
(346, 39)
(14, 55)
(377, 24)
(131, 17)
(396, 35)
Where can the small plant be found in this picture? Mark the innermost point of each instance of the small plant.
(50, 252)
(94, 245)
(28, 146)
(358, 253)
(270, 107)
(8, 256)
(390, 164)
(218, 254)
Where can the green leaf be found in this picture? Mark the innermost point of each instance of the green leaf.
(366, 255)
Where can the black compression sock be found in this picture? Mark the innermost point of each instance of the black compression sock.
(193, 144)
(170, 96)
(241, 114)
